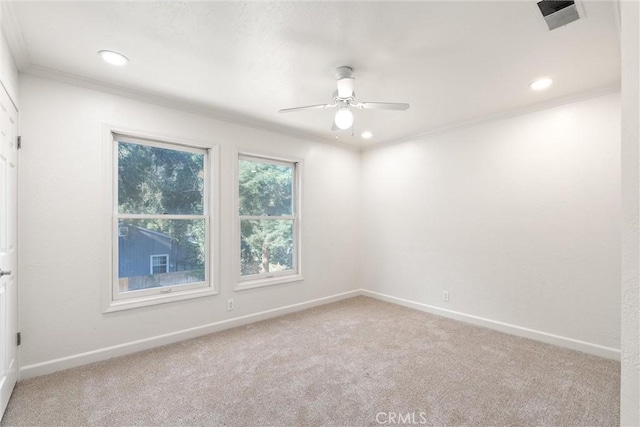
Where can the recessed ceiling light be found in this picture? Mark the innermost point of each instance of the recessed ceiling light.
(113, 58)
(541, 84)
(366, 134)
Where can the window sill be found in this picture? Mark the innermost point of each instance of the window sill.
(127, 304)
(267, 281)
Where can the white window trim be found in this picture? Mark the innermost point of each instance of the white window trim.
(110, 302)
(166, 264)
(277, 277)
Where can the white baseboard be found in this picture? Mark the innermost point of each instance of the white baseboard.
(595, 349)
(75, 360)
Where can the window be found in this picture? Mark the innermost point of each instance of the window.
(160, 222)
(268, 221)
(159, 264)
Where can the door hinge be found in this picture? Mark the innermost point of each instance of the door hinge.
(19, 339)
(19, 143)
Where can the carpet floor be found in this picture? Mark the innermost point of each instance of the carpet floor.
(355, 362)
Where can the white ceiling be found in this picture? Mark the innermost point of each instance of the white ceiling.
(452, 61)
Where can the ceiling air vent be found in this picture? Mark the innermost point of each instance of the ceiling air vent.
(558, 12)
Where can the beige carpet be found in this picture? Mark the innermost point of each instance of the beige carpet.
(355, 362)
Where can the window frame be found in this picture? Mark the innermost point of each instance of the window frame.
(277, 277)
(117, 301)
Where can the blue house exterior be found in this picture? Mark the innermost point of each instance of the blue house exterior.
(142, 252)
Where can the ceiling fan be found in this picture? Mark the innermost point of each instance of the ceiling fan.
(344, 99)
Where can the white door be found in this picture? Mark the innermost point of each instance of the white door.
(8, 253)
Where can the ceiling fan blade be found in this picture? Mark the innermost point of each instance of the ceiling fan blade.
(307, 107)
(382, 105)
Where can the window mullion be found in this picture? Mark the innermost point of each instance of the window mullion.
(162, 216)
(260, 217)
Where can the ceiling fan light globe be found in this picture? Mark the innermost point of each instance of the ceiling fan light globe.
(344, 118)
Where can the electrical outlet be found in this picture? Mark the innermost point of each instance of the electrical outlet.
(230, 305)
(445, 296)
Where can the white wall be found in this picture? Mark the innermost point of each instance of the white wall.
(630, 370)
(518, 219)
(63, 259)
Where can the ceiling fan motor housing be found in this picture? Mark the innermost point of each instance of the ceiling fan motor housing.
(343, 72)
(345, 82)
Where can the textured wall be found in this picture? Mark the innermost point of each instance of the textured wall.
(518, 219)
(64, 266)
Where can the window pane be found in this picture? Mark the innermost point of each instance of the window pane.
(155, 253)
(159, 181)
(266, 246)
(266, 189)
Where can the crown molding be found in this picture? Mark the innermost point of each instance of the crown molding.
(532, 108)
(207, 111)
(182, 105)
(14, 37)
(210, 112)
